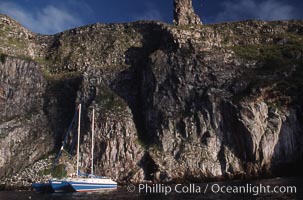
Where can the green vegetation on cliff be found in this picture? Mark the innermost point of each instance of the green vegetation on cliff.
(280, 68)
(109, 101)
(57, 171)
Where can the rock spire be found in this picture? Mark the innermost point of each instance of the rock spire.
(184, 13)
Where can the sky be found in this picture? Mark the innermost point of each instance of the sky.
(52, 16)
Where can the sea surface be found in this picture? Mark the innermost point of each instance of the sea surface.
(190, 191)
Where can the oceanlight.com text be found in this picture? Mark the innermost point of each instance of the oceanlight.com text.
(211, 188)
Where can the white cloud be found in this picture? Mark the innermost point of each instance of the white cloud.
(152, 14)
(250, 9)
(48, 20)
(149, 13)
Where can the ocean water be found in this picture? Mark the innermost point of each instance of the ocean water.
(213, 190)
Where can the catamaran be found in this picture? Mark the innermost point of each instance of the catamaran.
(83, 182)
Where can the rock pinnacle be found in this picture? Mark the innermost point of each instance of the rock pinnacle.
(184, 13)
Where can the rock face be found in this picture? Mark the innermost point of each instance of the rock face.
(172, 103)
(25, 133)
(184, 13)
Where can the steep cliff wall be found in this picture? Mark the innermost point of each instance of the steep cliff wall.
(25, 134)
(172, 103)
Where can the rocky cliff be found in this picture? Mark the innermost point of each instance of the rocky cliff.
(172, 103)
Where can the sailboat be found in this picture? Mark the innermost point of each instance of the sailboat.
(90, 182)
(42, 187)
(60, 185)
(82, 183)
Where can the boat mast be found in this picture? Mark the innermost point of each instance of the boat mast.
(93, 132)
(78, 143)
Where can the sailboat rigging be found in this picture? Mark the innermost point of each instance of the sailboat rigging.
(81, 183)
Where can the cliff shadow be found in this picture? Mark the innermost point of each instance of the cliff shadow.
(287, 159)
(60, 104)
(137, 83)
(235, 137)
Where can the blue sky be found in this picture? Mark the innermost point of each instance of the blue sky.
(52, 16)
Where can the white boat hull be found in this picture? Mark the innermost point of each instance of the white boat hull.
(92, 184)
